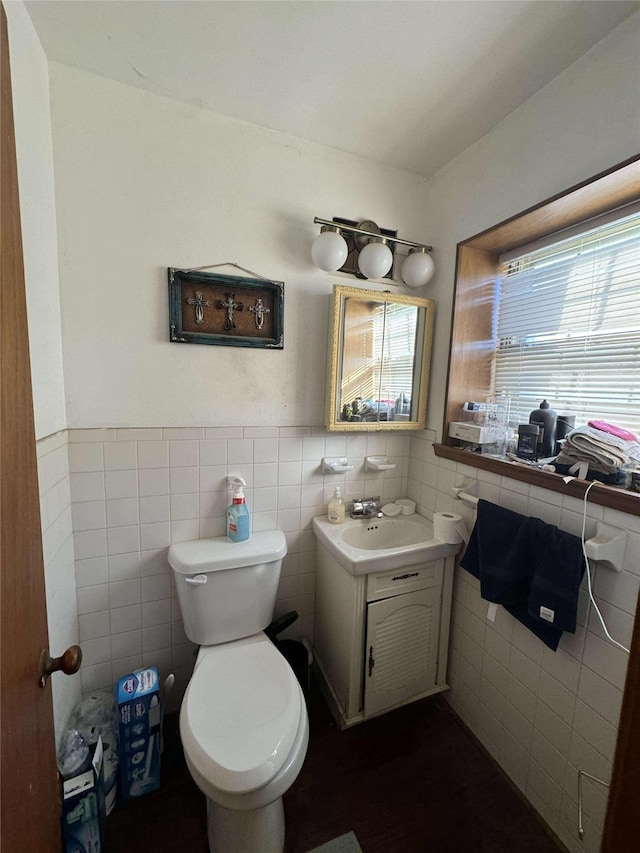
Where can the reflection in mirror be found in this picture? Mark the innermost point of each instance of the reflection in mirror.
(379, 360)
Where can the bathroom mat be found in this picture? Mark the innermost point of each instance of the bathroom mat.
(342, 844)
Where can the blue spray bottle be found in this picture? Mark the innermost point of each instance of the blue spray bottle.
(238, 512)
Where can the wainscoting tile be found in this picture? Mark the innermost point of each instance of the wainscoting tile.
(92, 599)
(153, 454)
(153, 482)
(119, 456)
(183, 454)
(121, 484)
(124, 567)
(87, 486)
(154, 509)
(85, 457)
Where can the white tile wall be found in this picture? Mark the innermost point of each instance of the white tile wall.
(134, 492)
(57, 541)
(541, 714)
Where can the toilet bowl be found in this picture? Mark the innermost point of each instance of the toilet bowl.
(244, 731)
(243, 719)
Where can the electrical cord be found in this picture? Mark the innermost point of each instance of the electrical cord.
(582, 773)
(586, 562)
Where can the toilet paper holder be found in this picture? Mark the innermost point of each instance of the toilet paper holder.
(466, 490)
(607, 546)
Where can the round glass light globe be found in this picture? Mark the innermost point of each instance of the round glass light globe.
(329, 251)
(417, 269)
(375, 260)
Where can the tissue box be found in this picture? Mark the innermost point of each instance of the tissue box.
(139, 720)
(83, 808)
(477, 433)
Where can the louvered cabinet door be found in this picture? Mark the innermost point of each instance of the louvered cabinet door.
(401, 655)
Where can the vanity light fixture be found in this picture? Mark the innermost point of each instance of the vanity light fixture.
(375, 259)
(417, 268)
(373, 249)
(329, 250)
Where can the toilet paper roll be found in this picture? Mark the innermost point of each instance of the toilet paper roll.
(449, 527)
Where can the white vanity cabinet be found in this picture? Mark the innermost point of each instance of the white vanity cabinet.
(381, 639)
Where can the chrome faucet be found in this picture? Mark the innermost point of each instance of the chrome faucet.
(366, 508)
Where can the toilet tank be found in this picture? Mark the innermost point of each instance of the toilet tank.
(227, 590)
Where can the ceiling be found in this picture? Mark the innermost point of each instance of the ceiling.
(408, 84)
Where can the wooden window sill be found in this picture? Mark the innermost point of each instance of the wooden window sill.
(609, 496)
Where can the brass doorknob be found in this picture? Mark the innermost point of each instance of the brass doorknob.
(69, 663)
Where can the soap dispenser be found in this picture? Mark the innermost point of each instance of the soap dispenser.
(238, 513)
(336, 509)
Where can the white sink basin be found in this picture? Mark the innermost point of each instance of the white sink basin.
(376, 544)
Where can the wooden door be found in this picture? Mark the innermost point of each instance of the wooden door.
(30, 812)
(401, 653)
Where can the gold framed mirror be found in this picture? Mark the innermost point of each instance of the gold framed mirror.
(378, 360)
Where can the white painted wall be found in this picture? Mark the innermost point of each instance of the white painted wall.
(30, 86)
(144, 183)
(584, 122)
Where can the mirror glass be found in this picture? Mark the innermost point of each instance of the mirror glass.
(379, 352)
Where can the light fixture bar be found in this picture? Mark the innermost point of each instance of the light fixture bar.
(355, 230)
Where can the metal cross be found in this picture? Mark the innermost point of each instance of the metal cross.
(259, 310)
(199, 302)
(230, 305)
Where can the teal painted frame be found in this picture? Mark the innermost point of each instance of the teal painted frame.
(241, 286)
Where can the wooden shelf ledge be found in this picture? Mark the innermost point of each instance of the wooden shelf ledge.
(609, 496)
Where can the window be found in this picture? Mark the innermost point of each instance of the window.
(568, 323)
(545, 308)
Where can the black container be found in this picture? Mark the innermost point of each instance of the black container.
(546, 419)
(294, 652)
(528, 435)
(564, 425)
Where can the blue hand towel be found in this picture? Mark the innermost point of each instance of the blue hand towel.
(501, 554)
(530, 567)
(549, 634)
(553, 596)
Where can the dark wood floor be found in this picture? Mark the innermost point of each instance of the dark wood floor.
(411, 781)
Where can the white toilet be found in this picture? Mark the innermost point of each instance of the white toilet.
(243, 720)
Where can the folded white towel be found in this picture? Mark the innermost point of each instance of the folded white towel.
(603, 451)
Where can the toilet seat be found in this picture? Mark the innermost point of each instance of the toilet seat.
(241, 714)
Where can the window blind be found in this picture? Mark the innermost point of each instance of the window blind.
(395, 339)
(568, 326)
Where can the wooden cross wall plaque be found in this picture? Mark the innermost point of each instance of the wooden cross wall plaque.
(225, 310)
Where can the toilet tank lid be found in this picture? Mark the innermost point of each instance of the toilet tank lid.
(220, 553)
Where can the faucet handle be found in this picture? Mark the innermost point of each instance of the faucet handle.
(357, 508)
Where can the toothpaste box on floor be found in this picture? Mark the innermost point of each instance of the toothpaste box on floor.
(83, 808)
(139, 721)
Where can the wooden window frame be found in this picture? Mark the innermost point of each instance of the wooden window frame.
(473, 345)
(470, 378)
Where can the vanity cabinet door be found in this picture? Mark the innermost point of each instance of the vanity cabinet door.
(401, 652)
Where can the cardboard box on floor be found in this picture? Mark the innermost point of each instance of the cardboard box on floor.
(83, 808)
(139, 721)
